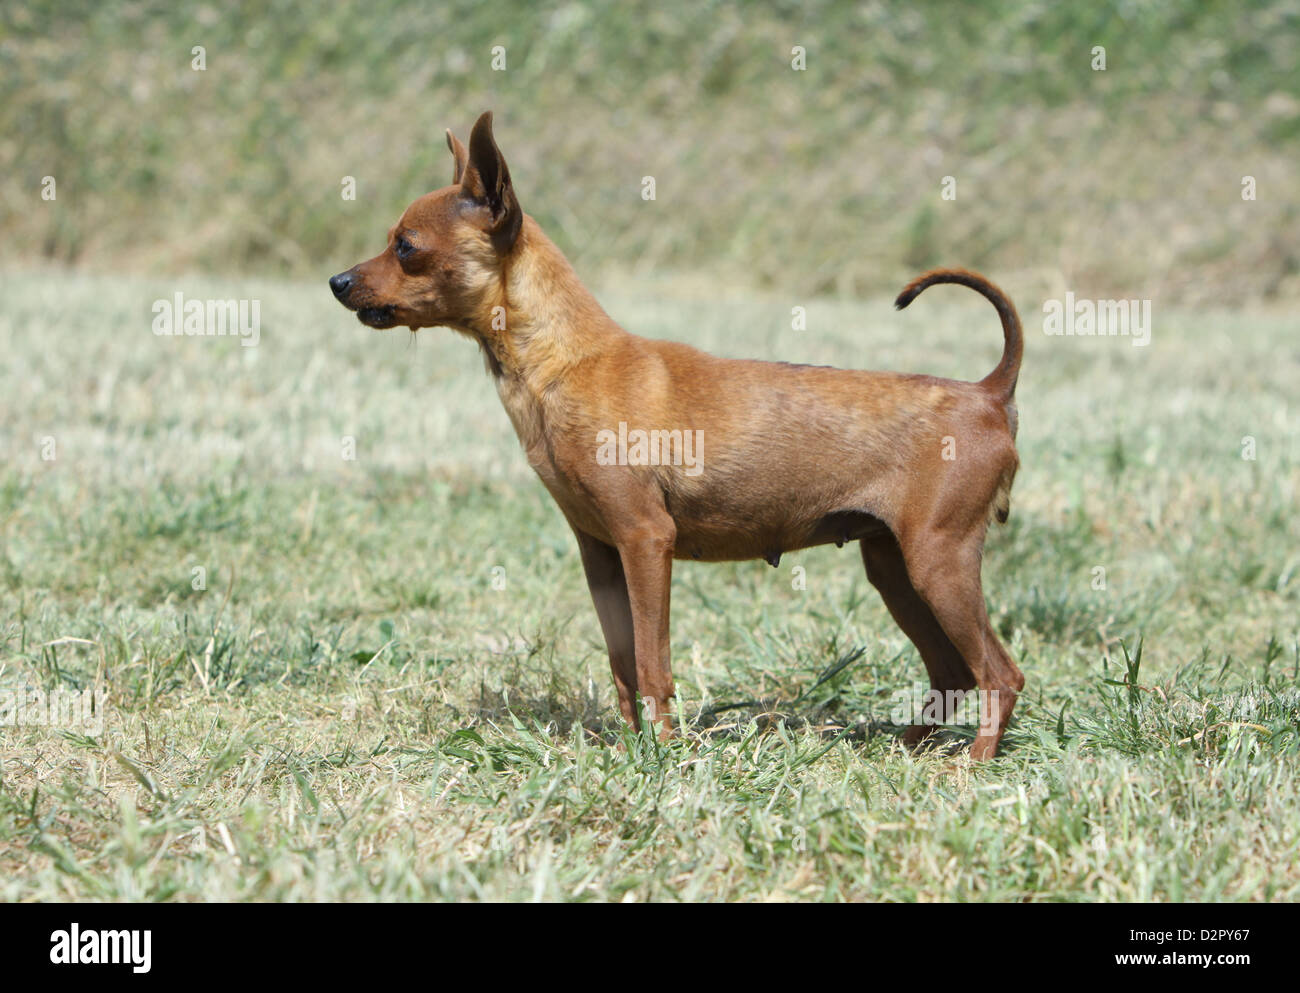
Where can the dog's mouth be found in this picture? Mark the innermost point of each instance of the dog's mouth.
(378, 317)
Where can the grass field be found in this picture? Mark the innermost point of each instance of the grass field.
(821, 180)
(352, 710)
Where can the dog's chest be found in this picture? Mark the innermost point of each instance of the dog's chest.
(530, 416)
(526, 414)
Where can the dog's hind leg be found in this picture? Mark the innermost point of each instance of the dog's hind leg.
(948, 671)
(945, 570)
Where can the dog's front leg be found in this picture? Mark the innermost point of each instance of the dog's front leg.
(608, 587)
(646, 551)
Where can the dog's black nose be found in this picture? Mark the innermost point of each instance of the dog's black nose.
(340, 284)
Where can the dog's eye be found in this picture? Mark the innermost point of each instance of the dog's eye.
(402, 247)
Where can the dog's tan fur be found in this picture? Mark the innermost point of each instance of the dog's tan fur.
(913, 467)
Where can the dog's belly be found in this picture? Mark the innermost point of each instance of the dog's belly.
(710, 540)
(714, 532)
(747, 509)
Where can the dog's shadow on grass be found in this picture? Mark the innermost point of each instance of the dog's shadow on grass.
(725, 721)
(731, 722)
(739, 720)
(560, 712)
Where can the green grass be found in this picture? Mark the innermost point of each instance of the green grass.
(351, 711)
(1117, 183)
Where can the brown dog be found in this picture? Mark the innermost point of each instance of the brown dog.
(729, 459)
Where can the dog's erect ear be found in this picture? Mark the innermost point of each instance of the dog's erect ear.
(487, 180)
(460, 155)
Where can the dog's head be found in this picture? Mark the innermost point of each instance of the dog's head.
(444, 256)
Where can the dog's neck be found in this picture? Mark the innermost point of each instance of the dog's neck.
(536, 323)
(538, 320)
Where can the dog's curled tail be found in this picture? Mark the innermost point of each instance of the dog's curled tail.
(1002, 380)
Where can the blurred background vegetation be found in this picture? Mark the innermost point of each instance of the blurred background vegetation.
(1123, 182)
